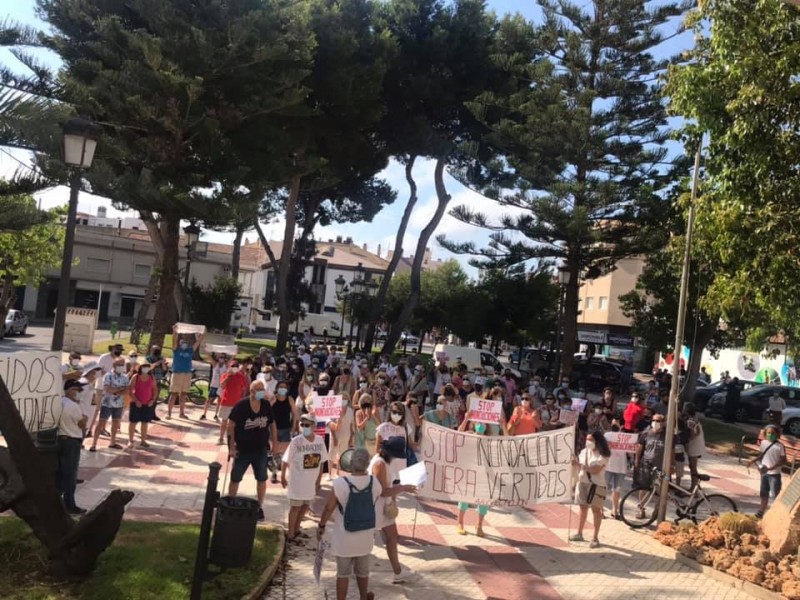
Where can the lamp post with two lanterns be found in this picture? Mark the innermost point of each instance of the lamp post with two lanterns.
(192, 233)
(80, 143)
(563, 282)
(350, 293)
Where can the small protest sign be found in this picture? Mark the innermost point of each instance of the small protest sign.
(568, 417)
(484, 411)
(327, 408)
(618, 440)
(579, 404)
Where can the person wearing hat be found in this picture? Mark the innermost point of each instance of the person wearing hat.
(133, 360)
(352, 549)
(770, 461)
(234, 384)
(71, 426)
(303, 462)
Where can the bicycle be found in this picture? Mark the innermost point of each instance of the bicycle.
(695, 505)
(198, 388)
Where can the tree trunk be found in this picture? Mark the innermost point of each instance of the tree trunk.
(284, 264)
(704, 336)
(412, 301)
(166, 310)
(237, 251)
(141, 317)
(380, 298)
(570, 322)
(273, 262)
(30, 491)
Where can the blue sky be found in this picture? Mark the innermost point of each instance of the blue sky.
(381, 230)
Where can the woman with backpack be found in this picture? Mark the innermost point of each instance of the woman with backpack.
(381, 466)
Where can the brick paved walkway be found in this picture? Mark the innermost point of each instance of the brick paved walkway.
(524, 555)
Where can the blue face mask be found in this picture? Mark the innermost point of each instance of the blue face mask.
(282, 391)
(307, 431)
(480, 428)
(261, 394)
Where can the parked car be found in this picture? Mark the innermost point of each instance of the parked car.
(16, 322)
(473, 358)
(513, 357)
(791, 421)
(595, 374)
(754, 403)
(702, 395)
(409, 338)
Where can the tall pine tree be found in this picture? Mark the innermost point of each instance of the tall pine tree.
(593, 103)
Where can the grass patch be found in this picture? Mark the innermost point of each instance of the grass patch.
(723, 437)
(147, 560)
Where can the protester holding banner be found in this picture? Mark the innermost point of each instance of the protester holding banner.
(525, 419)
(440, 415)
(115, 384)
(486, 429)
(591, 490)
(382, 468)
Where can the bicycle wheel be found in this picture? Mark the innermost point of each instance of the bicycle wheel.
(198, 391)
(636, 512)
(163, 391)
(712, 506)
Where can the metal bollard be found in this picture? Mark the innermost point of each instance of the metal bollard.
(210, 503)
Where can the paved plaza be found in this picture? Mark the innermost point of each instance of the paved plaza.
(524, 554)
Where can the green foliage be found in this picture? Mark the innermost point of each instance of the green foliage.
(212, 305)
(738, 523)
(741, 87)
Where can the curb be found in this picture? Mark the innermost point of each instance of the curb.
(266, 577)
(756, 591)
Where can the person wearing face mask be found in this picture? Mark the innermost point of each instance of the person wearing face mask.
(418, 386)
(536, 391)
(633, 413)
(234, 384)
(133, 360)
(115, 384)
(305, 390)
(344, 382)
(218, 367)
(251, 434)
(367, 421)
(770, 461)
(525, 419)
(597, 419)
(362, 389)
(563, 388)
(342, 432)
(287, 422)
(395, 428)
(478, 429)
(72, 369)
(267, 377)
(71, 425)
(413, 418)
(591, 489)
(650, 452)
(440, 415)
(144, 392)
(549, 412)
(181, 379)
(302, 462)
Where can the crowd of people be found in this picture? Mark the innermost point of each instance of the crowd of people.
(266, 413)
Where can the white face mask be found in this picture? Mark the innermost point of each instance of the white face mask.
(119, 369)
(396, 418)
(656, 425)
(75, 362)
(440, 407)
(590, 445)
(234, 369)
(268, 376)
(145, 370)
(598, 411)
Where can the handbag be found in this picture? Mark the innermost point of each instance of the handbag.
(390, 510)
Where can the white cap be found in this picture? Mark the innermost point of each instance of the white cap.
(92, 366)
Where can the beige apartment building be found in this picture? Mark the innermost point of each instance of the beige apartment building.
(600, 320)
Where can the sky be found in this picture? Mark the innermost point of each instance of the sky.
(381, 231)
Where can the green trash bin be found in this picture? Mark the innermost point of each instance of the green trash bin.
(234, 531)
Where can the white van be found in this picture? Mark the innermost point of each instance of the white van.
(473, 358)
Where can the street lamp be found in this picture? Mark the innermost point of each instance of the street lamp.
(192, 233)
(80, 142)
(341, 295)
(563, 282)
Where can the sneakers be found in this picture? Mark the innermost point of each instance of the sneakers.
(576, 537)
(594, 543)
(261, 514)
(461, 531)
(404, 575)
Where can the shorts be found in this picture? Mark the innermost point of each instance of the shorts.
(770, 485)
(225, 412)
(345, 564)
(285, 435)
(295, 502)
(591, 494)
(614, 481)
(106, 413)
(482, 510)
(213, 392)
(258, 460)
(142, 414)
(179, 383)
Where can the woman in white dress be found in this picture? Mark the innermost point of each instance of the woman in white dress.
(342, 433)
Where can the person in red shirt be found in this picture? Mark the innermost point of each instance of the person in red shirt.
(633, 412)
(525, 419)
(235, 385)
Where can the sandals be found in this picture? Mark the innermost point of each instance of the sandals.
(93, 449)
(115, 446)
(480, 533)
(461, 531)
(144, 445)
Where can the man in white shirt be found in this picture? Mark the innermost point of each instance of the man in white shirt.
(71, 425)
(352, 549)
(304, 355)
(303, 461)
(770, 461)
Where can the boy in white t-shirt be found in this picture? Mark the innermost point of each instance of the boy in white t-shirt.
(303, 459)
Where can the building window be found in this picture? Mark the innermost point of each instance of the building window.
(141, 271)
(269, 291)
(602, 303)
(589, 302)
(98, 265)
(318, 273)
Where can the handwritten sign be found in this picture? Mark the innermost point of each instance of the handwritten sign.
(622, 441)
(484, 411)
(441, 357)
(496, 470)
(579, 404)
(34, 381)
(227, 350)
(190, 328)
(327, 408)
(568, 417)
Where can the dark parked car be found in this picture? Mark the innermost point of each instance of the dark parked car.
(595, 374)
(702, 395)
(754, 402)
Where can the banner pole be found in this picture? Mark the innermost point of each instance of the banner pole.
(414, 528)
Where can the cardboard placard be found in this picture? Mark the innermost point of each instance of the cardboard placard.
(617, 440)
(579, 404)
(228, 350)
(190, 328)
(34, 381)
(484, 411)
(327, 408)
(568, 417)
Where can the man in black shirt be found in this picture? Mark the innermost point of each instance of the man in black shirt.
(251, 430)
